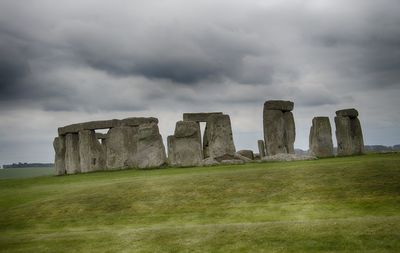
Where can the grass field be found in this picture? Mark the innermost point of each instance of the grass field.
(347, 204)
(26, 172)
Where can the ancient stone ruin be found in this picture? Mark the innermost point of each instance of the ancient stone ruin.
(131, 142)
(348, 133)
(279, 128)
(137, 143)
(320, 141)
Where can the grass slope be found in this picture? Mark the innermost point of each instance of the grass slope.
(26, 172)
(347, 204)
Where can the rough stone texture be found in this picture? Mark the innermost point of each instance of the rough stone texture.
(104, 124)
(261, 148)
(231, 162)
(280, 105)
(352, 113)
(218, 139)
(199, 117)
(92, 153)
(290, 132)
(349, 135)
(72, 161)
(59, 160)
(288, 157)
(240, 157)
(101, 136)
(121, 146)
(184, 147)
(274, 131)
(209, 162)
(320, 141)
(150, 148)
(246, 153)
(357, 137)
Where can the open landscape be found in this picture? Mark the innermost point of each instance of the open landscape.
(347, 204)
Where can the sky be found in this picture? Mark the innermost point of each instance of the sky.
(64, 62)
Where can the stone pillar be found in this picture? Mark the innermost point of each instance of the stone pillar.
(72, 160)
(218, 139)
(59, 161)
(261, 148)
(121, 147)
(349, 133)
(279, 127)
(320, 141)
(184, 147)
(150, 149)
(92, 153)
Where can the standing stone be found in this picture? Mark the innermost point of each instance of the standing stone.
(92, 153)
(320, 141)
(184, 147)
(150, 149)
(261, 148)
(290, 132)
(349, 133)
(218, 139)
(279, 127)
(72, 161)
(59, 148)
(121, 146)
(274, 130)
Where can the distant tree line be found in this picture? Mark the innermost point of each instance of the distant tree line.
(25, 165)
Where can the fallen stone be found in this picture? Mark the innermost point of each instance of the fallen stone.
(246, 153)
(261, 148)
(288, 157)
(243, 158)
(72, 160)
(199, 117)
(320, 141)
(231, 162)
(210, 162)
(92, 154)
(218, 139)
(59, 160)
(150, 150)
(281, 105)
(352, 113)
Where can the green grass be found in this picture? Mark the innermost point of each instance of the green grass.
(26, 172)
(349, 204)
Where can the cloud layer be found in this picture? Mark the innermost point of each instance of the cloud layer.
(68, 61)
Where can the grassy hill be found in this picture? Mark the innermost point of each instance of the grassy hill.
(347, 204)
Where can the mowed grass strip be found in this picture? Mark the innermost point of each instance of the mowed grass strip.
(328, 205)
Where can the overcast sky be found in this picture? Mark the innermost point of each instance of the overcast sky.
(65, 62)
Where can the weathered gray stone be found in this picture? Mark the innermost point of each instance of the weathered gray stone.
(231, 162)
(92, 153)
(320, 141)
(121, 147)
(290, 132)
(104, 124)
(209, 162)
(184, 148)
(288, 157)
(238, 156)
(246, 153)
(285, 106)
(357, 136)
(352, 113)
(72, 160)
(218, 139)
(343, 136)
(150, 149)
(261, 148)
(59, 161)
(274, 132)
(199, 117)
(101, 136)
